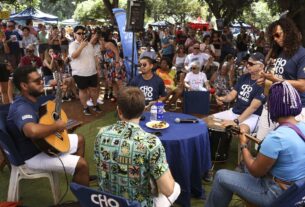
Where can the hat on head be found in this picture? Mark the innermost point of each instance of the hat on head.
(30, 47)
(257, 56)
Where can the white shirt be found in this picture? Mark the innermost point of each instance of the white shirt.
(84, 64)
(196, 81)
(202, 58)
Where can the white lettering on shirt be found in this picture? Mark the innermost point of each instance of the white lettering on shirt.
(27, 116)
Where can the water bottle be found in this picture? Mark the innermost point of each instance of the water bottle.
(160, 110)
(153, 113)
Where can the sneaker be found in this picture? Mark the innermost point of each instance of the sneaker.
(100, 101)
(87, 112)
(66, 99)
(97, 109)
(89, 102)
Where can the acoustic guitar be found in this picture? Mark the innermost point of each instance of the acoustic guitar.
(49, 113)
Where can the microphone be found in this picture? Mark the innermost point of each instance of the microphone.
(178, 120)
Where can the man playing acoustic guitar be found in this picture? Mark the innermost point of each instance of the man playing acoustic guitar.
(23, 122)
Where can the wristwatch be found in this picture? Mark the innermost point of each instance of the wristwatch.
(243, 146)
(236, 121)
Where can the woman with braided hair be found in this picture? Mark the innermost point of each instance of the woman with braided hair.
(279, 162)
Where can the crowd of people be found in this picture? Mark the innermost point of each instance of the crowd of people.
(175, 60)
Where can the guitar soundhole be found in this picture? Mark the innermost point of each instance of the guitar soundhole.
(55, 116)
(58, 135)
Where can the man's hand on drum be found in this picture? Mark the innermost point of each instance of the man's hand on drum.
(226, 123)
(219, 100)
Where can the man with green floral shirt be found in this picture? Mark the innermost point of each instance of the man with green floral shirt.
(127, 157)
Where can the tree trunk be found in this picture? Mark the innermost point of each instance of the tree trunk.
(109, 6)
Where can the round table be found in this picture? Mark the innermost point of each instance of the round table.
(188, 154)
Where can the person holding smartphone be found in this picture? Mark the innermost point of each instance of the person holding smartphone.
(84, 69)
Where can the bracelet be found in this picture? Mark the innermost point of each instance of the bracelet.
(243, 146)
(236, 121)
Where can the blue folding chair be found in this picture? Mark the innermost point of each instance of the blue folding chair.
(293, 196)
(89, 197)
(18, 168)
(196, 102)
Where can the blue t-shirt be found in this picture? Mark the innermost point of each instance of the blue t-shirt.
(23, 111)
(152, 88)
(287, 148)
(247, 90)
(292, 68)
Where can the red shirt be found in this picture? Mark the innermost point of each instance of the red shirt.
(31, 61)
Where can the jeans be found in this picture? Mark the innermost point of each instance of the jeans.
(258, 191)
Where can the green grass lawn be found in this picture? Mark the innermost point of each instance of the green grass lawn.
(37, 193)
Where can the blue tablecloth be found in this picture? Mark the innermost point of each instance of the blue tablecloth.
(188, 154)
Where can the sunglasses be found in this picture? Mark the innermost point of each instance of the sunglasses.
(193, 68)
(196, 48)
(277, 35)
(81, 33)
(37, 80)
(143, 65)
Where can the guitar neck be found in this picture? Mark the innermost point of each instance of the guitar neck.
(58, 97)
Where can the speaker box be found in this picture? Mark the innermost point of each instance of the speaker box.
(135, 15)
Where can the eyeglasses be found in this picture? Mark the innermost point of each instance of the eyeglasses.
(277, 34)
(251, 63)
(37, 80)
(143, 65)
(193, 68)
(80, 33)
(10, 25)
(30, 51)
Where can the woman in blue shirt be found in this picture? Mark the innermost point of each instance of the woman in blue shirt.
(279, 163)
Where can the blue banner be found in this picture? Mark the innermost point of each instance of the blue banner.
(126, 41)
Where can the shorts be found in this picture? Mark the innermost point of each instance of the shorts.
(42, 48)
(4, 73)
(251, 121)
(84, 82)
(44, 162)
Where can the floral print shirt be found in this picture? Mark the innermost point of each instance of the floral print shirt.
(126, 158)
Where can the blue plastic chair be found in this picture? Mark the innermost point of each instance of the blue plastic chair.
(196, 102)
(89, 197)
(293, 196)
(18, 168)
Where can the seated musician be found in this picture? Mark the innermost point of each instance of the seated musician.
(280, 160)
(127, 157)
(249, 97)
(23, 122)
